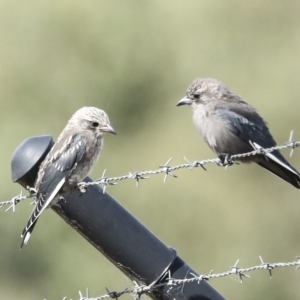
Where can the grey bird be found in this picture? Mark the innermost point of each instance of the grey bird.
(229, 125)
(69, 161)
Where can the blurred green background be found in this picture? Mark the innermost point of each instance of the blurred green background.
(135, 59)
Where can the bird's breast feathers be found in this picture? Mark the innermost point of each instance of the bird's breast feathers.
(210, 126)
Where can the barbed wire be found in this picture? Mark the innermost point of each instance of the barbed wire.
(139, 290)
(226, 161)
(15, 200)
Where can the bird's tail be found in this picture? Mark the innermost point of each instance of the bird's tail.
(27, 233)
(277, 165)
(42, 203)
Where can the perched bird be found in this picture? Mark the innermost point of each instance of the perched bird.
(69, 161)
(229, 125)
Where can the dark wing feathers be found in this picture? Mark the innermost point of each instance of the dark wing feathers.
(251, 128)
(63, 165)
(56, 171)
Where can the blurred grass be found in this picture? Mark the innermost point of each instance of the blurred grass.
(135, 60)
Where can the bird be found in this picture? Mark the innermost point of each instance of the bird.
(69, 161)
(229, 125)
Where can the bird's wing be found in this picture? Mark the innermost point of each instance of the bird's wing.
(61, 163)
(58, 169)
(248, 126)
(252, 130)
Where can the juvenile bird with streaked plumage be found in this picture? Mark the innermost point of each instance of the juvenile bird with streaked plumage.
(69, 161)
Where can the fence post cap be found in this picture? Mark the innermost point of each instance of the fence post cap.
(27, 158)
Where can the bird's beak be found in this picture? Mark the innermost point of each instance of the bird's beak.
(108, 128)
(185, 101)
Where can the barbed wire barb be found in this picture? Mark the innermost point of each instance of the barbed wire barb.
(195, 164)
(137, 176)
(15, 200)
(267, 266)
(236, 270)
(291, 141)
(298, 259)
(200, 278)
(167, 169)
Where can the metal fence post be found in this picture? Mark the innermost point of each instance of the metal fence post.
(113, 231)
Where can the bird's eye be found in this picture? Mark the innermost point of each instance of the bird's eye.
(95, 124)
(197, 96)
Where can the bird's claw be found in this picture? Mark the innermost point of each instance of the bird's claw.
(225, 160)
(31, 190)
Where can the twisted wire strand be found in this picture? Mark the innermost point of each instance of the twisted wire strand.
(166, 169)
(139, 290)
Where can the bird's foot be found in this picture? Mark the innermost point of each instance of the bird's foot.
(60, 199)
(82, 187)
(31, 190)
(226, 160)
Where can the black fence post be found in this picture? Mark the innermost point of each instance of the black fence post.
(112, 230)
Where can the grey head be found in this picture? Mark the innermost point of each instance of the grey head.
(203, 91)
(91, 119)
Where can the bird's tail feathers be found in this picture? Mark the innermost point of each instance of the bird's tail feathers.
(34, 216)
(27, 233)
(284, 172)
(41, 205)
(276, 164)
